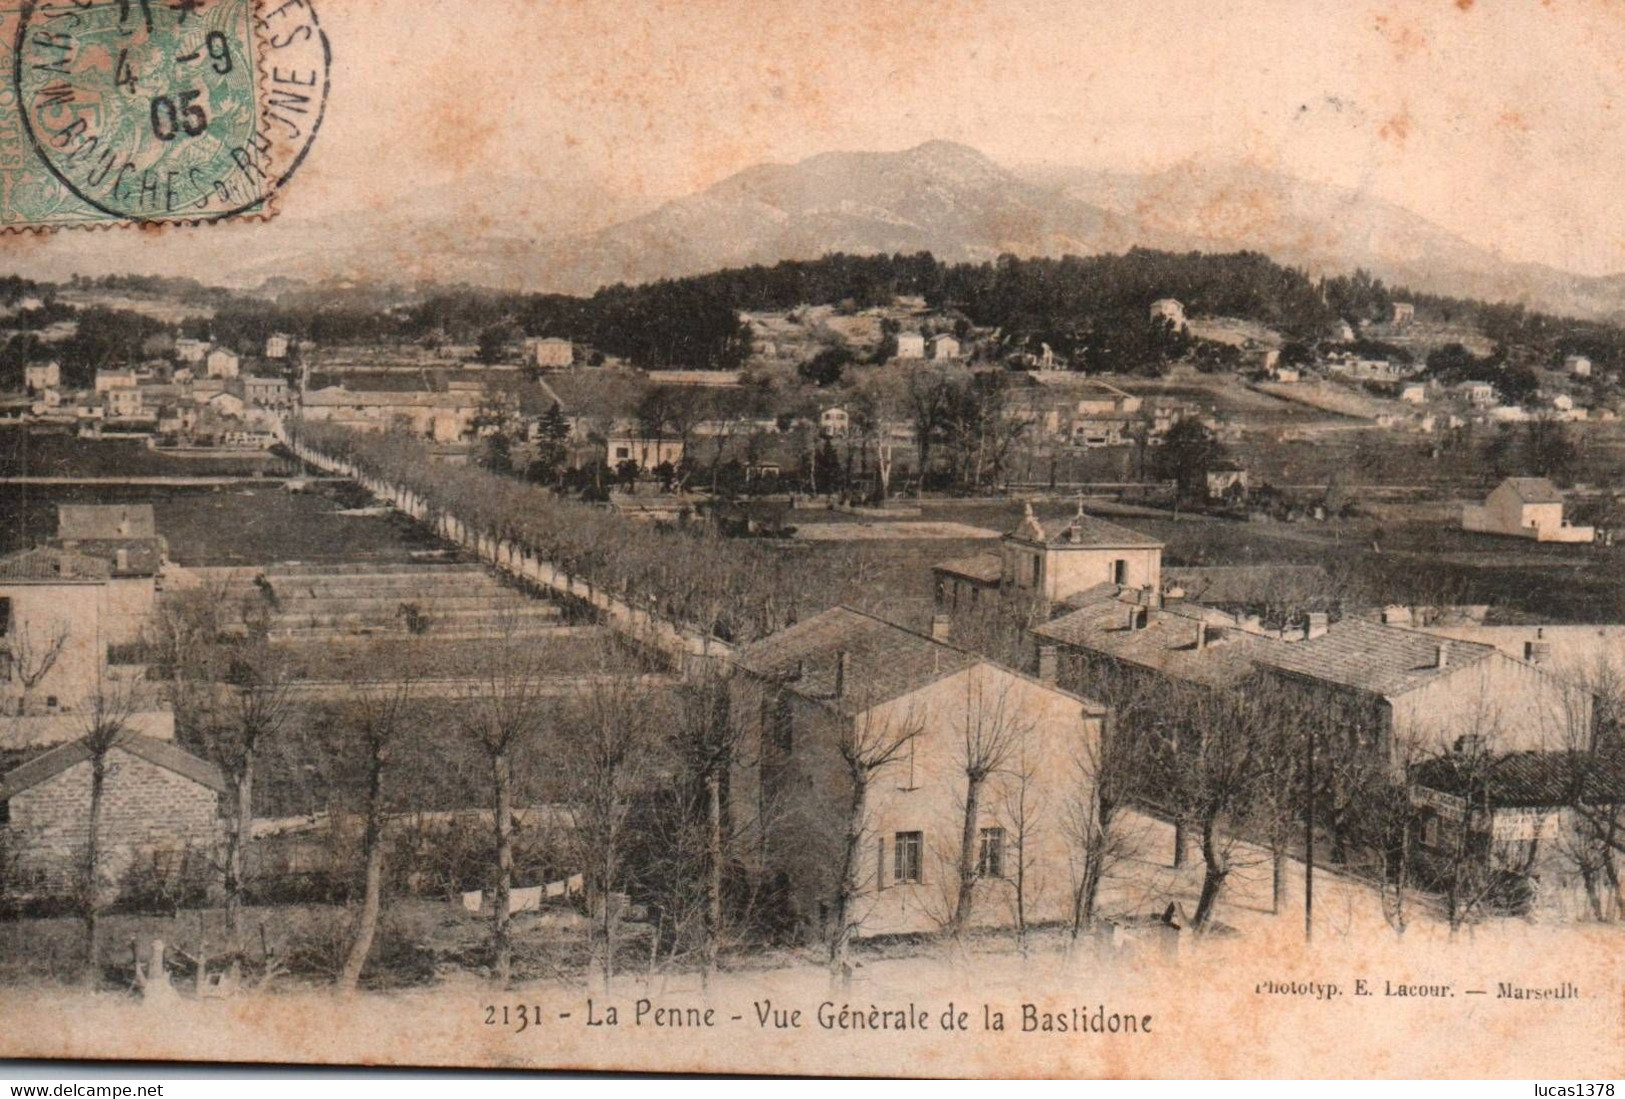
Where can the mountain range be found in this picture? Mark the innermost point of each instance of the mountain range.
(941, 197)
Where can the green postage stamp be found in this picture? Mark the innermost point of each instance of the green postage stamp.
(155, 111)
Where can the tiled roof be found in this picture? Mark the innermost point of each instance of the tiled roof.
(105, 521)
(1383, 660)
(1535, 490)
(50, 563)
(884, 661)
(984, 568)
(1167, 643)
(1529, 779)
(1082, 530)
(142, 556)
(159, 752)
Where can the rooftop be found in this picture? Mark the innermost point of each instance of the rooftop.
(985, 568)
(1169, 642)
(884, 661)
(1534, 490)
(50, 563)
(1383, 660)
(1082, 531)
(160, 752)
(1528, 779)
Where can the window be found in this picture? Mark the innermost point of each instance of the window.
(906, 857)
(5, 666)
(5, 616)
(1038, 565)
(1120, 572)
(5, 813)
(990, 855)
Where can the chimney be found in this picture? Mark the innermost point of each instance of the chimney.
(1153, 597)
(941, 625)
(1317, 625)
(1201, 636)
(1048, 664)
(843, 670)
(1444, 655)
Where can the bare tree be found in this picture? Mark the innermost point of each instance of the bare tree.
(991, 729)
(606, 756)
(709, 741)
(257, 707)
(382, 715)
(106, 724)
(869, 742)
(501, 713)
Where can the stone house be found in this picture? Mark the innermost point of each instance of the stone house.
(276, 346)
(1079, 554)
(1170, 310)
(159, 803)
(1524, 507)
(843, 677)
(910, 345)
(126, 537)
(944, 347)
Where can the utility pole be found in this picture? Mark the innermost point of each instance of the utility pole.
(1309, 843)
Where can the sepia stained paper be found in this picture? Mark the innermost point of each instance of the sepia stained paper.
(256, 524)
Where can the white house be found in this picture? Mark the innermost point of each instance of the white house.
(1524, 507)
(1404, 313)
(123, 378)
(834, 423)
(1578, 365)
(910, 345)
(42, 376)
(223, 363)
(191, 351)
(1414, 393)
(276, 346)
(550, 352)
(842, 683)
(944, 347)
(1479, 394)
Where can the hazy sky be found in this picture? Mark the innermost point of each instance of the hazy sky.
(1501, 120)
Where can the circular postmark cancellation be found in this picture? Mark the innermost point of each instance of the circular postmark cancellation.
(171, 110)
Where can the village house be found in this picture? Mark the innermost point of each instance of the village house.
(1578, 365)
(123, 403)
(1477, 394)
(226, 404)
(834, 423)
(1404, 313)
(120, 378)
(126, 537)
(844, 679)
(910, 345)
(276, 346)
(191, 351)
(1052, 565)
(1394, 693)
(944, 347)
(628, 443)
(57, 618)
(222, 362)
(1341, 332)
(159, 805)
(1580, 654)
(1170, 310)
(549, 352)
(443, 417)
(265, 392)
(38, 377)
(1226, 480)
(1525, 507)
(1414, 393)
(1522, 812)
